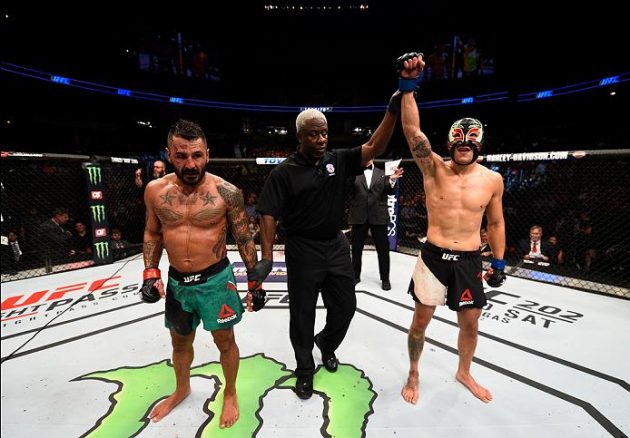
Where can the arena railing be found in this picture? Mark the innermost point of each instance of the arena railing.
(579, 197)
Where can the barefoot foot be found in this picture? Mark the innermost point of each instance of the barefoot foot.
(229, 415)
(409, 392)
(166, 406)
(478, 391)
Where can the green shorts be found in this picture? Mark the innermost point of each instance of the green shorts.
(209, 296)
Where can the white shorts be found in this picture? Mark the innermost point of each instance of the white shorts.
(427, 288)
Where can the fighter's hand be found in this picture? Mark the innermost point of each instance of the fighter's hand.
(495, 276)
(256, 297)
(410, 65)
(152, 286)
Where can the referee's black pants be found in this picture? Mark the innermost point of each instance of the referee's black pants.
(314, 265)
(379, 235)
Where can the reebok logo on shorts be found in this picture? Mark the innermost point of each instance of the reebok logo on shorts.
(226, 314)
(466, 298)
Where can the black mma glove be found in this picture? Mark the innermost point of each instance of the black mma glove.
(495, 277)
(407, 84)
(255, 278)
(149, 292)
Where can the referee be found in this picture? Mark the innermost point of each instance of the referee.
(307, 193)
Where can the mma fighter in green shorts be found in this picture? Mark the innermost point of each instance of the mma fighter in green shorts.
(188, 213)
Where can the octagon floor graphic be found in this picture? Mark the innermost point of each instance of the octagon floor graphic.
(82, 357)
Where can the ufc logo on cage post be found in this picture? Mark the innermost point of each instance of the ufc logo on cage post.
(96, 194)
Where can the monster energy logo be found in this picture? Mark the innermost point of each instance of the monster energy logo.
(347, 395)
(102, 249)
(98, 213)
(95, 174)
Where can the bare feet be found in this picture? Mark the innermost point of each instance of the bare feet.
(166, 406)
(478, 391)
(410, 390)
(229, 415)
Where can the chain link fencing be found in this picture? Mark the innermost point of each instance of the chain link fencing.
(58, 212)
(579, 200)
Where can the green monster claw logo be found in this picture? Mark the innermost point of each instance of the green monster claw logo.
(102, 249)
(348, 397)
(95, 174)
(98, 213)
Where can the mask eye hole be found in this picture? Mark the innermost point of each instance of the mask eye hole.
(457, 135)
(473, 134)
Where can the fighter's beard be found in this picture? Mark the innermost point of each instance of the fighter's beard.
(181, 176)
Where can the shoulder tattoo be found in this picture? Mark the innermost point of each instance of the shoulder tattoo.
(230, 194)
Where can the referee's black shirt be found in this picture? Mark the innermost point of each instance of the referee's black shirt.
(310, 198)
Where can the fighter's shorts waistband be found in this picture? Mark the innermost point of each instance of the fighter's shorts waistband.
(201, 276)
(433, 249)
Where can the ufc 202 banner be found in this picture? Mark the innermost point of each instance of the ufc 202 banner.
(102, 248)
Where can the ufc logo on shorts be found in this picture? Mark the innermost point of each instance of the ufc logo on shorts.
(450, 257)
(190, 278)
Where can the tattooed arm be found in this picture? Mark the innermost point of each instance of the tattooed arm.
(152, 248)
(237, 219)
(418, 142)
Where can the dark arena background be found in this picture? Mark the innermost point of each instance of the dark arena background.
(86, 107)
